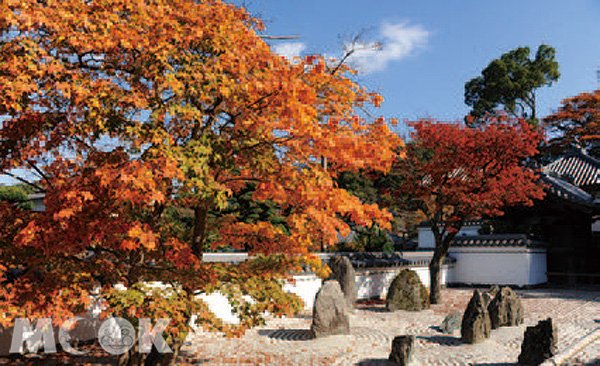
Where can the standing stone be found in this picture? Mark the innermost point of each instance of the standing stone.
(506, 309)
(493, 291)
(330, 311)
(476, 325)
(402, 350)
(487, 299)
(539, 344)
(489, 296)
(407, 293)
(451, 323)
(343, 272)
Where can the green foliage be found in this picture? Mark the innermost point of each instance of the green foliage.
(372, 239)
(406, 292)
(361, 185)
(16, 195)
(372, 187)
(250, 211)
(240, 205)
(511, 81)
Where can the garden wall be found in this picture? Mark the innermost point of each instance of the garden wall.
(500, 266)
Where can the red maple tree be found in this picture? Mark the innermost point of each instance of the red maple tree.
(577, 120)
(453, 173)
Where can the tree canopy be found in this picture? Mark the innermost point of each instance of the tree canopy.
(452, 173)
(510, 82)
(577, 121)
(129, 109)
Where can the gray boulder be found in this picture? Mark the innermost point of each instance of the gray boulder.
(506, 309)
(344, 273)
(402, 350)
(476, 325)
(539, 344)
(330, 311)
(406, 292)
(451, 323)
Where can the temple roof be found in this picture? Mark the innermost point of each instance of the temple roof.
(579, 167)
(473, 222)
(364, 260)
(565, 190)
(496, 240)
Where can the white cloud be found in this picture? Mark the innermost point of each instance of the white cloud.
(289, 50)
(397, 42)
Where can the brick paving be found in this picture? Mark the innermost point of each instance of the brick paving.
(285, 341)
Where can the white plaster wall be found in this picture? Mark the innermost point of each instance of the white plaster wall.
(306, 287)
(537, 269)
(423, 273)
(375, 283)
(596, 226)
(218, 304)
(502, 266)
(470, 230)
(426, 239)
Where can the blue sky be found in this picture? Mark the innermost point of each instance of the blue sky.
(431, 48)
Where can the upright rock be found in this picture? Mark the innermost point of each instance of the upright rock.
(489, 296)
(451, 323)
(344, 273)
(407, 293)
(330, 314)
(476, 325)
(506, 309)
(402, 350)
(494, 290)
(539, 344)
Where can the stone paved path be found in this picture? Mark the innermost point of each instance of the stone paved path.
(285, 341)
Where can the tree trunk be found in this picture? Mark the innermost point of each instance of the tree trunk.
(199, 233)
(442, 244)
(135, 358)
(156, 358)
(435, 269)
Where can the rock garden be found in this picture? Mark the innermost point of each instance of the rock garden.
(372, 330)
(482, 326)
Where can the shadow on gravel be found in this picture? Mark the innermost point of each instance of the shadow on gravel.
(442, 340)
(375, 309)
(375, 362)
(494, 364)
(595, 362)
(286, 334)
(438, 329)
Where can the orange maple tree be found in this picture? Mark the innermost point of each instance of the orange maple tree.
(577, 120)
(452, 173)
(127, 109)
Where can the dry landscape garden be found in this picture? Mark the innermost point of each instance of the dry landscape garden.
(196, 198)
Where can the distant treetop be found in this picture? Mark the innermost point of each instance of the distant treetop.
(510, 82)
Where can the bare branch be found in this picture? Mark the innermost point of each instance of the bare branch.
(24, 181)
(295, 36)
(44, 176)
